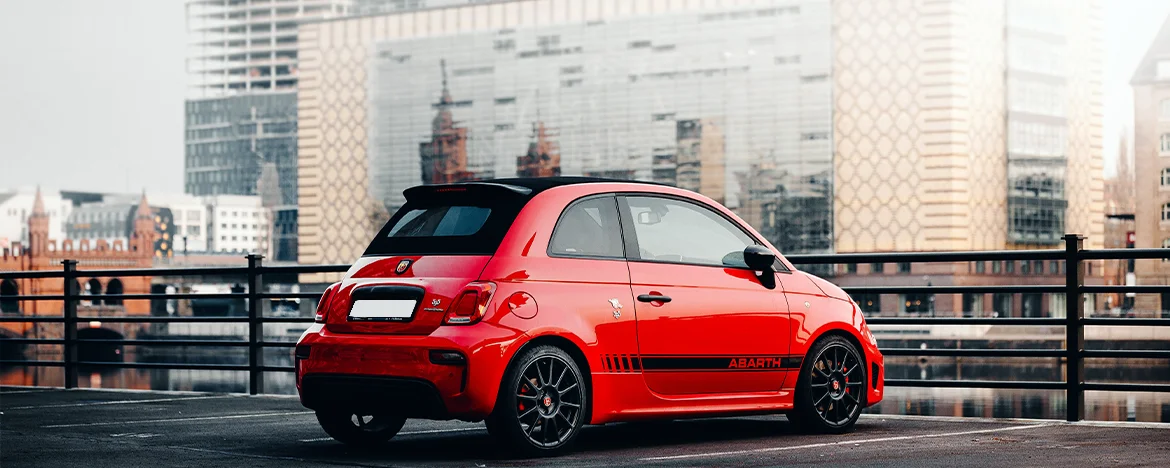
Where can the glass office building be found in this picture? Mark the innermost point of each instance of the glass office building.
(247, 145)
(733, 103)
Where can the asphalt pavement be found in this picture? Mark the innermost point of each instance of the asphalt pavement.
(75, 428)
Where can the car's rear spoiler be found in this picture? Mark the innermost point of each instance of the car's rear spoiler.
(419, 192)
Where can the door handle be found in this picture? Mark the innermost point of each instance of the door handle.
(653, 298)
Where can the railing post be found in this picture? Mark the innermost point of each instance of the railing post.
(69, 311)
(1074, 278)
(255, 325)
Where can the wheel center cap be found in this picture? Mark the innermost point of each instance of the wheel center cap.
(836, 385)
(547, 401)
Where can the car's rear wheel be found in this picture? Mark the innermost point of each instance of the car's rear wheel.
(360, 430)
(830, 392)
(543, 403)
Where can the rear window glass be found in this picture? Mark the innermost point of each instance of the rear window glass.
(441, 221)
(447, 221)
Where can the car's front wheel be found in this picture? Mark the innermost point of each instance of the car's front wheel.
(830, 392)
(360, 430)
(543, 402)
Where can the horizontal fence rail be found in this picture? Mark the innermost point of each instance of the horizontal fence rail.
(1073, 355)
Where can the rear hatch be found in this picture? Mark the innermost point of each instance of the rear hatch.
(420, 262)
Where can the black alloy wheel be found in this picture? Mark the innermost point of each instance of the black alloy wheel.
(830, 393)
(542, 403)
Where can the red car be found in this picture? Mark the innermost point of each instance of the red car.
(543, 305)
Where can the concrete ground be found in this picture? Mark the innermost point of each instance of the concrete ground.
(59, 428)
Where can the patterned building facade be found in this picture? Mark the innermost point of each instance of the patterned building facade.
(629, 90)
(902, 125)
(1151, 148)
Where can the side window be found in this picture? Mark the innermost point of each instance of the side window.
(588, 228)
(671, 230)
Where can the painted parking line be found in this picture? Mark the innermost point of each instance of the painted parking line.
(120, 402)
(14, 392)
(843, 442)
(175, 420)
(432, 431)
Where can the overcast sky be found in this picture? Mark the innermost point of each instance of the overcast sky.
(91, 91)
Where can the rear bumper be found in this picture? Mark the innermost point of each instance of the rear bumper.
(413, 398)
(394, 373)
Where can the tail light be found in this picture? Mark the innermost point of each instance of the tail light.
(323, 304)
(471, 305)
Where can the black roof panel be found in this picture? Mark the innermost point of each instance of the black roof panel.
(540, 184)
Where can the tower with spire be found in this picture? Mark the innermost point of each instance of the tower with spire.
(543, 158)
(38, 226)
(443, 158)
(142, 239)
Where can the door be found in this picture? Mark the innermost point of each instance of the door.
(706, 323)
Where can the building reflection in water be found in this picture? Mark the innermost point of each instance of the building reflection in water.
(983, 403)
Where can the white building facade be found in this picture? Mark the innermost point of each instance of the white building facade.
(15, 207)
(238, 224)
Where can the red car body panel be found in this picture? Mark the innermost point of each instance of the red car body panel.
(639, 357)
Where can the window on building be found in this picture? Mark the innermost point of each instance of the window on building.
(1032, 304)
(1165, 143)
(972, 304)
(980, 267)
(1038, 267)
(1001, 304)
(1166, 212)
(1056, 305)
(1054, 267)
(1166, 177)
(917, 303)
(1009, 266)
(877, 267)
(851, 268)
(1024, 268)
(997, 267)
(1166, 245)
(904, 267)
(869, 303)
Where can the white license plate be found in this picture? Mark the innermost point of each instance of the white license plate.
(390, 309)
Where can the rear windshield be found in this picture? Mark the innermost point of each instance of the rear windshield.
(469, 221)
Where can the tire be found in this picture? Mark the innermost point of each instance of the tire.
(830, 392)
(542, 405)
(362, 431)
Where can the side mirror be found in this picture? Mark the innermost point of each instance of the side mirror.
(759, 258)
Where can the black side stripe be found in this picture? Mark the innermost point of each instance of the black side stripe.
(719, 363)
(627, 363)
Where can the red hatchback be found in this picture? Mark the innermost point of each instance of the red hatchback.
(543, 305)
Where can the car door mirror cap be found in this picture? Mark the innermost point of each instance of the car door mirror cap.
(759, 258)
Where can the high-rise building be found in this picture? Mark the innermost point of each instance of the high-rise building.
(633, 89)
(1151, 149)
(241, 118)
(845, 125)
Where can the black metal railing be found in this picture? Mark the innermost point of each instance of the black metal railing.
(253, 296)
(1073, 354)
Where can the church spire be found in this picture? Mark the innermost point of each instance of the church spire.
(143, 208)
(38, 204)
